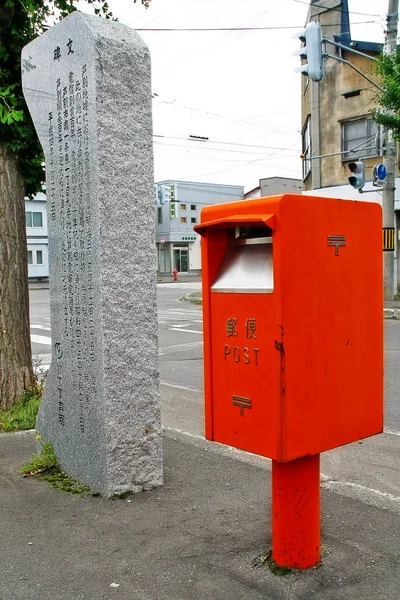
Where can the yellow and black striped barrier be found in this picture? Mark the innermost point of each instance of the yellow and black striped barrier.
(388, 238)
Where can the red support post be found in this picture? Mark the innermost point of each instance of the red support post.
(296, 512)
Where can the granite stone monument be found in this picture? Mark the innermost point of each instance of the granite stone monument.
(87, 85)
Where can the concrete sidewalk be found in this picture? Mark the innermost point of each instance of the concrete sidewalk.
(196, 537)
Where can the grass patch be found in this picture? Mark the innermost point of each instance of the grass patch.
(44, 464)
(41, 462)
(266, 560)
(22, 415)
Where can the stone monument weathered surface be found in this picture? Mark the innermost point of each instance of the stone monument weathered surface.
(87, 85)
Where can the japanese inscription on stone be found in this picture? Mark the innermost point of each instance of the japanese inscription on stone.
(69, 194)
(88, 87)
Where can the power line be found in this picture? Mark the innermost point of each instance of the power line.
(171, 137)
(249, 162)
(157, 16)
(247, 122)
(327, 9)
(188, 155)
(220, 28)
(189, 146)
(276, 28)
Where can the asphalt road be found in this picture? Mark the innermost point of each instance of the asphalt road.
(181, 355)
(371, 466)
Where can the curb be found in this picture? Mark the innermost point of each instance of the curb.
(193, 298)
(391, 313)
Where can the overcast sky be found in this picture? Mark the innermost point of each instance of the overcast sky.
(236, 88)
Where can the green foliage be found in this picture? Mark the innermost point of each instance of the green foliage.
(20, 22)
(41, 463)
(266, 560)
(45, 464)
(22, 415)
(388, 67)
(61, 481)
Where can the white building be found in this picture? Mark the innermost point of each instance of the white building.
(271, 186)
(36, 233)
(178, 206)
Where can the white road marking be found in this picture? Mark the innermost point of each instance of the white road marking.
(361, 489)
(185, 330)
(391, 431)
(184, 310)
(39, 326)
(195, 285)
(41, 339)
(165, 316)
(180, 387)
(179, 348)
(42, 358)
(45, 359)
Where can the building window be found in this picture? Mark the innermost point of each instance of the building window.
(159, 214)
(34, 219)
(192, 207)
(359, 139)
(306, 148)
(193, 220)
(35, 257)
(183, 219)
(183, 206)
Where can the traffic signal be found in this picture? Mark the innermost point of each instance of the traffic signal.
(357, 180)
(163, 194)
(311, 51)
(378, 174)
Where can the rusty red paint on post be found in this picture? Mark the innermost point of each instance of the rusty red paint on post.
(296, 512)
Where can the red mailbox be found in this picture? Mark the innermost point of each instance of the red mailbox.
(293, 328)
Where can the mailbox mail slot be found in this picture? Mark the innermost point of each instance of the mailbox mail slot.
(293, 343)
(247, 267)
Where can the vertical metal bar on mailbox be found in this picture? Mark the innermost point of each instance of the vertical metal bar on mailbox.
(296, 512)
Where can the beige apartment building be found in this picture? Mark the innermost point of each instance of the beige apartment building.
(336, 112)
(337, 126)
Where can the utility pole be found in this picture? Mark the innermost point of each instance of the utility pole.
(389, 160)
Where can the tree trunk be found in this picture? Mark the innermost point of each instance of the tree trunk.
(16, 372)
